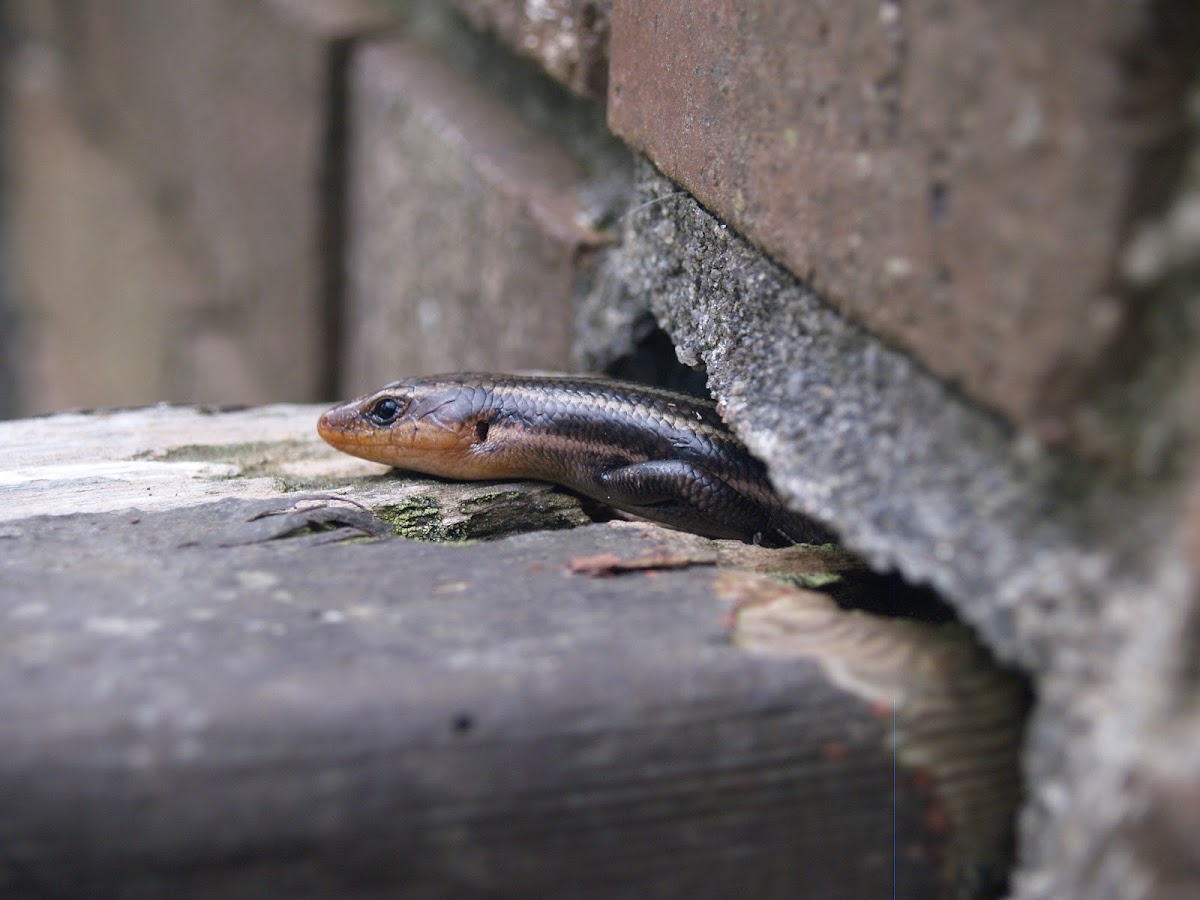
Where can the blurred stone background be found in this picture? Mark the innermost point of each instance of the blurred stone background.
(941, 263)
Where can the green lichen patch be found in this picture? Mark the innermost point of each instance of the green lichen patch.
(490, 498)
(815, 580)
(420, 518)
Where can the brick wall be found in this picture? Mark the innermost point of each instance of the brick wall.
(959, 178)
(940, 260)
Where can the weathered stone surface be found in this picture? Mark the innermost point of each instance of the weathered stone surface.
(171, 457)
(1079, 572)
(227, 112)
(961, 178)
(197, 706)
(468, 230)
(569, 38)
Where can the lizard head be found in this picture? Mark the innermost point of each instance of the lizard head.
(421, 425)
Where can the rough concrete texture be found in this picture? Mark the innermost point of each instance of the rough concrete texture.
(239, 699)
(568, 38)
(961, 178)
(469, 226)
(1067, 569)
(226, 113)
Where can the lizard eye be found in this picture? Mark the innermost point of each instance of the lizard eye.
(384, 411)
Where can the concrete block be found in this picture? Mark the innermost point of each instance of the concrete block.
(468, 236)
(960, 178)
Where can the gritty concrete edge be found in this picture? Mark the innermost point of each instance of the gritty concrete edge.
(1050, 558)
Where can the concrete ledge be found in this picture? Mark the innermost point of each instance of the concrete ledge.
(261, 696)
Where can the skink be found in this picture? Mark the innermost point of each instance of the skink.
(659, 454)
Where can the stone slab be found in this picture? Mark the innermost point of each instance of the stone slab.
(224, 676)
(161, 457)
(199, 707)
(960, 178)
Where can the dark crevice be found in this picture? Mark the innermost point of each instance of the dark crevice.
(890, 595)
(652, 361)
